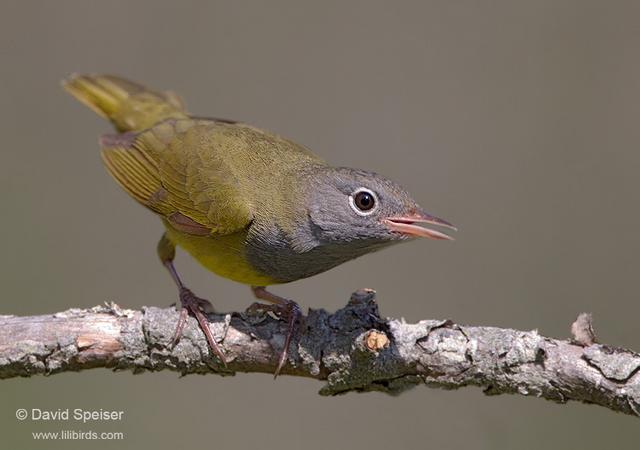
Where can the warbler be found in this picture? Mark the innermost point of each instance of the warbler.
(247, 204)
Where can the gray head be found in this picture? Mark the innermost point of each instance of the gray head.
(363, 209)
(331, 216)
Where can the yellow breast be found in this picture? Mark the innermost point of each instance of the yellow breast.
(223, 255)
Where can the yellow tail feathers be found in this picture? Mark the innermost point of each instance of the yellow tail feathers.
(128, 105)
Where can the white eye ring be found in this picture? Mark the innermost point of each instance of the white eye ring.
(357, 210)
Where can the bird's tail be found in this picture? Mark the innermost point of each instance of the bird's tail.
(128, 105)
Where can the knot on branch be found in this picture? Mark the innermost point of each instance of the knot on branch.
(370, 362)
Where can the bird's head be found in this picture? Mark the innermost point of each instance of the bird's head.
(349, 206)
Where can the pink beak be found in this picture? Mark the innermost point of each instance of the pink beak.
(410, 226)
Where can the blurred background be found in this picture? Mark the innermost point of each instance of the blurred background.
(518, 121)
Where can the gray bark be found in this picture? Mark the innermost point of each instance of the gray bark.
(353, 349)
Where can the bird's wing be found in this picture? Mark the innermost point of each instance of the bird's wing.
(173, 169)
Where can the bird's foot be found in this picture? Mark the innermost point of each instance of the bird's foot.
(191, 303)
(285, 309)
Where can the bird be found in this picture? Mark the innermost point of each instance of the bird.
(248, 204)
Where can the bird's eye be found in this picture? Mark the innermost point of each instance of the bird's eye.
(363, 201)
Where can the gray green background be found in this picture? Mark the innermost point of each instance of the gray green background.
(518, 121)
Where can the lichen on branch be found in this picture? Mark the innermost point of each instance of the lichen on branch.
(353, 349)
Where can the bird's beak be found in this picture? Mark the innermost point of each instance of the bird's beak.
(410, 226)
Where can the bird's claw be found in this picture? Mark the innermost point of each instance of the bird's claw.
(292, 312)
(196, 306)
(285, 310)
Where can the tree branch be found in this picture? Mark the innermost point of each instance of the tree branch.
(351, 350)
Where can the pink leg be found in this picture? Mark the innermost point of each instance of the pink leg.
(285, 308)
(189, 302)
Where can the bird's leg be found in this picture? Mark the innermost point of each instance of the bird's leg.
(287, 309)
(189, 302)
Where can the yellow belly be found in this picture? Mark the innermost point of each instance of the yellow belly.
(223, 255)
